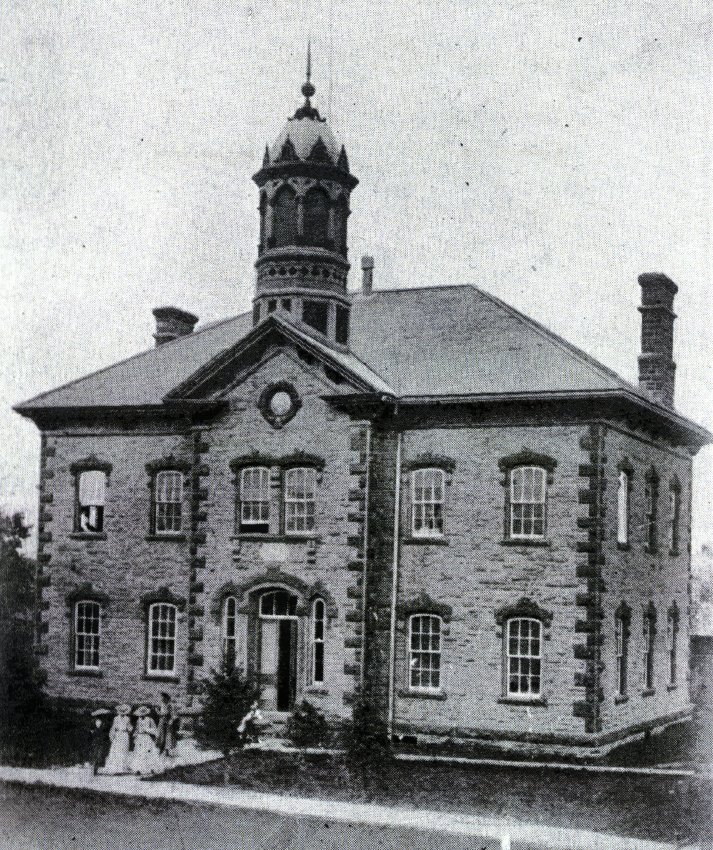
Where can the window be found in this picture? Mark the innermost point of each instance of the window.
(424, 652)
(91, 495)
(671, 645)
(621, 640)
(278, 603)
(229, 631)
(427, 503)
(651, 520)
(341, 329)
(300, 494)
(87, 620)
(316, 217)
(648, 649)
(256, 313)
(168, 502)
(318, 624)
(527, 502)
(315, 314)
(622, 533)
(674, 517)
(524, 658)
(284, 217)
(254, 505)
(161, 655)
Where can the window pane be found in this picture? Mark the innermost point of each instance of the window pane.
(86, 630)
(300, 493)
(524, 656)
(162, 637)
(424, 659)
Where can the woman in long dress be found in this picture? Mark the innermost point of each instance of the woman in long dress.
(165, 741)
(146, 759)
(120, 736)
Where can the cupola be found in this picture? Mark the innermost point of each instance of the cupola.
(305, 186)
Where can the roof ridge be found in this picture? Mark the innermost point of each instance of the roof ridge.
(128, 359)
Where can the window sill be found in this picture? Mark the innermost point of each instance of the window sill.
(672, 687)
(277, 538)
(176, 537)
(620, 699)
(317, 692)
(623, 547)
(157, 677)
(425, 541)
(517, 541)
(87, 535)
(648, 692)
(674, 553)
(405, 693)
(541, 702)
(91, 674)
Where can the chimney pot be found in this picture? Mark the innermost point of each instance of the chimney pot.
(171, 323)
(657, 370)
(367, 272)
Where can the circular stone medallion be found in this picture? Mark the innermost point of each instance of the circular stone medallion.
(279, 403)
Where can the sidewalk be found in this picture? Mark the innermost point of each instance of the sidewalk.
(510, 834)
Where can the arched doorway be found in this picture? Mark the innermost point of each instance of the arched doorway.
(277, 617)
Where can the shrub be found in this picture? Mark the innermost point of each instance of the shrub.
(228, 696)
(367, 746)
(307, 726)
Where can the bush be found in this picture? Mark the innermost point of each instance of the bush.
(367, 746)
(307, 726)
(228, 696)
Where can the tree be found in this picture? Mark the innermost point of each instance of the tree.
(368, 749)
(228, 695)
(20, 680)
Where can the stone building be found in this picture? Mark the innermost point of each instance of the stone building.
(420, 490)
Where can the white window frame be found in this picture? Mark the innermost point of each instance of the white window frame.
(622, 655)
(292, 602)
(427, 508)
(674, 528)
(229, 622)
(671, 649)
(425, 650)
(160, 499)
(251, 510)
(528, 513)
(318, 636)
(93, 638)
(152, 658)
(623, 507)
(300, 510)
(517, 659)
(648, 657)
(94, 503)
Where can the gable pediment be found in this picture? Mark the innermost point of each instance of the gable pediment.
(218, 378)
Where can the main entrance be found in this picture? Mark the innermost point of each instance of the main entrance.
(278, 649)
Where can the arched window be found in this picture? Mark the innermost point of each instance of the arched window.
(341, 212)
(91, 494)
(300, 497)
(672, 645)
(263, 214)
(648, 658)
(427, 502)
(523, 652)
(87, 632)
(674, 517)
(622, 619)
(167, 502)
(424, 662)
(316, 217)
(229, 631)
(528, 489)
(623, 492)
(161, 650)
(284, 217)
(319, 619)
(254, 500)
(651, 497)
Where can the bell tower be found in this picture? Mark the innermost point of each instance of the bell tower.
(302, 263)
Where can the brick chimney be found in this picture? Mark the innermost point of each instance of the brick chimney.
(367, 275)
(657, 370)
(171, 322)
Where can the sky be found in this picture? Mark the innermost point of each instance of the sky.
(548, 152)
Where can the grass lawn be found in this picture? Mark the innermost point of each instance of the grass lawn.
(641, 806)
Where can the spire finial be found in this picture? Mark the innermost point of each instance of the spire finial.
(308, 89)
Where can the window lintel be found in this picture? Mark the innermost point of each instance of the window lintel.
(527, 457)
(166, 464)
(423, 604)
(90, 464)
(162, 594)
(86, 592)
(430, 461)
(524, 607)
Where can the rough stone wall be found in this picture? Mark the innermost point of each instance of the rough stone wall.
(474, 573)
(638, 577)
(121, 564)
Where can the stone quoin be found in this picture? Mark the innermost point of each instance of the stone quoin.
(421, 492)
